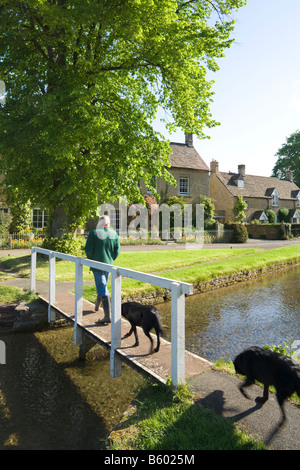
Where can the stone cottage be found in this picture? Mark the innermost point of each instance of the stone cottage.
(259, 192)
(190, 172)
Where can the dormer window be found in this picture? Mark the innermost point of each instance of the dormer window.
(275, 198)
(240, 182)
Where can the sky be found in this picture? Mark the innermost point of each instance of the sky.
(257, 89)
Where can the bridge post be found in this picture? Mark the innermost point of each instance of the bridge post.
(78, 301)
(33, 271)
(177, 335)
(115, 361)
(51, 311)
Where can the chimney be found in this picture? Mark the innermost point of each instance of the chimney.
(214, 166)
(242, 170)
(189, 140)
(289, 175)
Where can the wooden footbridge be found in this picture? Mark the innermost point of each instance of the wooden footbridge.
(172, 360)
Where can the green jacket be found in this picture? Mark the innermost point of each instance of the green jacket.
(102, 245)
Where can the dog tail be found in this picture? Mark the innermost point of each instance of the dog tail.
(159, 325)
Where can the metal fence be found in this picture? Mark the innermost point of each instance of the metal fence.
(19, 240)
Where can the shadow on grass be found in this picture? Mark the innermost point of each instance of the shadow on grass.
(162, 422)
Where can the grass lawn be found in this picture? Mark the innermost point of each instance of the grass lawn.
(15, 294)
(145, 261)
(192, 266)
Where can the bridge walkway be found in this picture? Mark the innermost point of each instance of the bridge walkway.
(156, 365)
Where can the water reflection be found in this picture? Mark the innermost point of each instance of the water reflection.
(49, 399)
(223, 322)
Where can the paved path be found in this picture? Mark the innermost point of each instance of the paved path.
(252, 243)
(219, 391)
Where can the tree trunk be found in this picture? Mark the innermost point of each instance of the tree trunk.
(60, 223)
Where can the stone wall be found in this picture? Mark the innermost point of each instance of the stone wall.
(23, 316)
(268, 231)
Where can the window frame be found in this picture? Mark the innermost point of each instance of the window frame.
(182, 185)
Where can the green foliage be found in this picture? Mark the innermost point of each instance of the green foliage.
(69, 244)
(209, 210)
(84, 81)
(239, 208)
(284, 215)
(177, 213)
(16, 294)
(20, 210)
(284, 348)
(5, 221)
(240, 233)
(271, 216)
(289, 158)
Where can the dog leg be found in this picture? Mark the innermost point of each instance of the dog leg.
(132, 330)
(136, 336)
(280, 399)
(128, 334)
(265, 396)
(158, 343)
(151, 341)
(247, 383)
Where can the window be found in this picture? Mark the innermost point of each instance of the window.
(241, 182)
(275, 199)
(39, 218)
(298, 197)
(153, 182)
(184, 186)
(115, 219)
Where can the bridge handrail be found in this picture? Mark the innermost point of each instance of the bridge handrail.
(178, 291)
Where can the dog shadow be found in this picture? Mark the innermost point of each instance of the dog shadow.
(216, 401)
(137, 355)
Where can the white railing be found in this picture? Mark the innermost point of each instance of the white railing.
(178, 292)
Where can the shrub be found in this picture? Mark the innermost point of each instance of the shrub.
(271, 216)
(69, 244)
(240, 234)
(209, 211)
(5, 221)
(284, 215)
(239, 208)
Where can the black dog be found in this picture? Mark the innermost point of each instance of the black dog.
(269, 368)
(145, 316)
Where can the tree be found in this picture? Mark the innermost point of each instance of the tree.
(20, 211)
(289, 158)
(239, 208)
(84, 80)
(209, 212)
